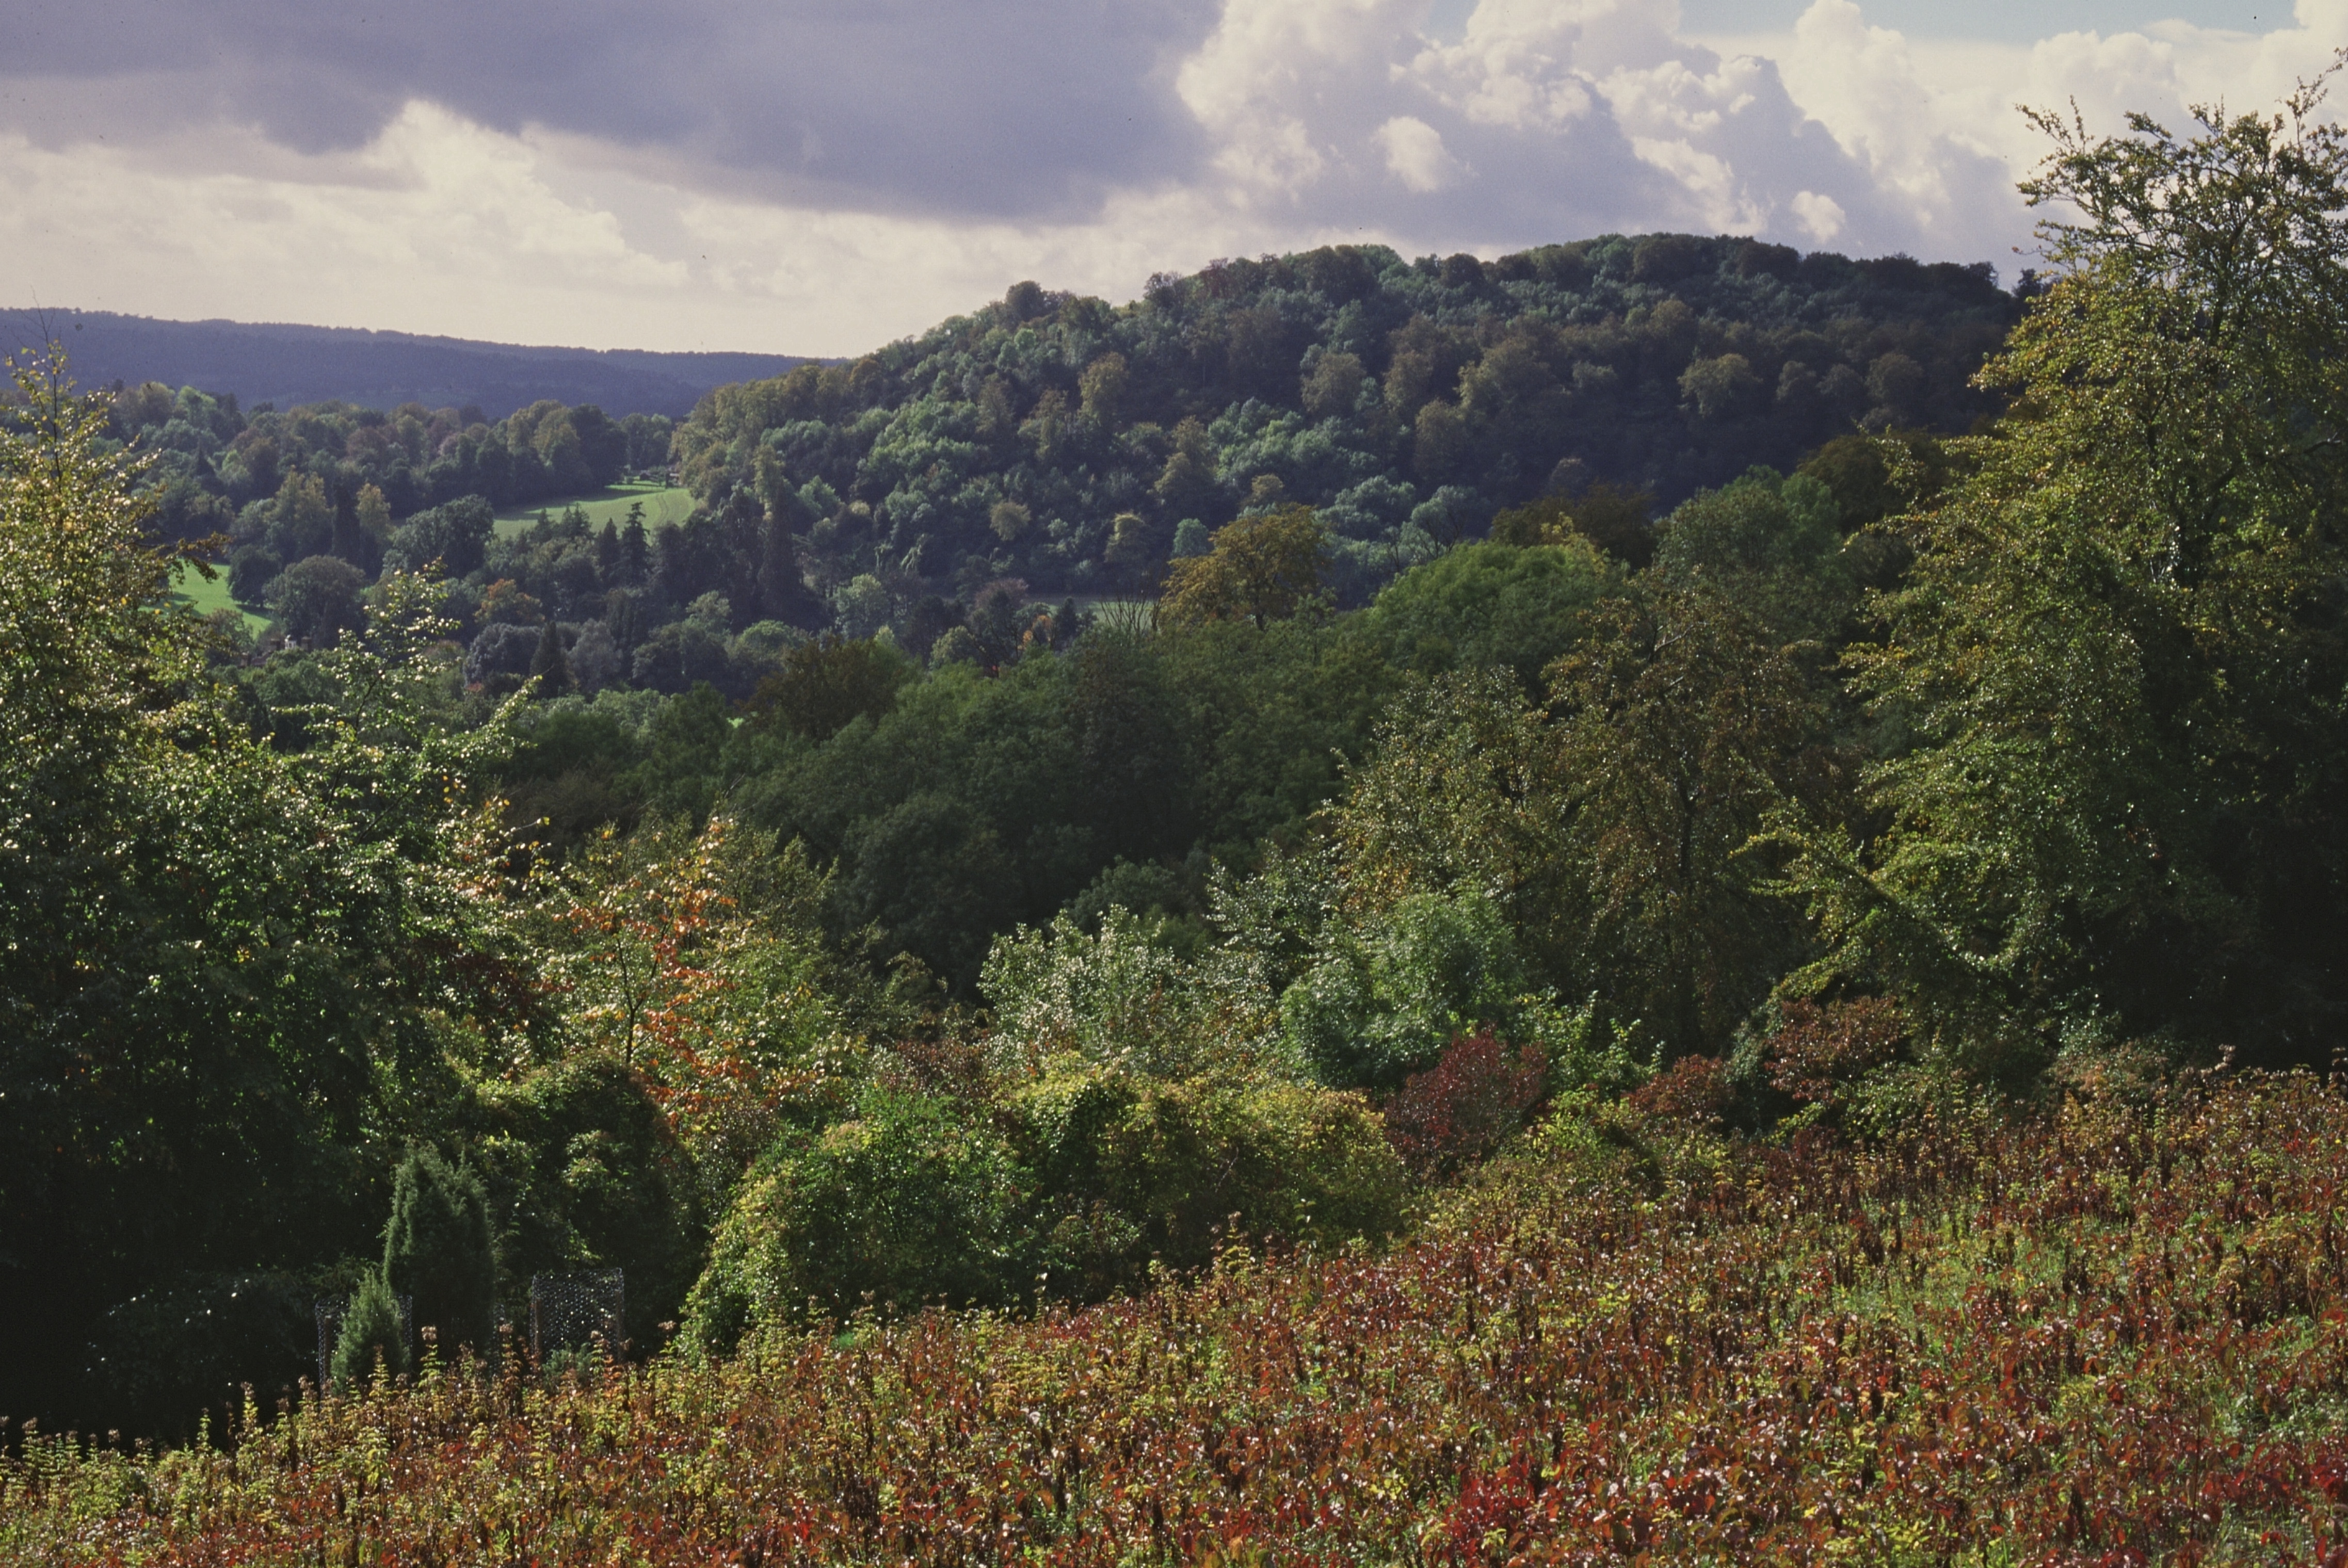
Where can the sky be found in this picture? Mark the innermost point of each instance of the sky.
(824, 175)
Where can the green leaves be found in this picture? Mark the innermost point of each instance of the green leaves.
(1391, 990)
(2120, 651)
(228, 971)
(437, 1248)
(1683, 727)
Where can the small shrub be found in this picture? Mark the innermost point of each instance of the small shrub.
(1387, 999)
(372, 1330)
(1820, 1049)
(905, 1202)
(1183, 1160)
(1463, 1108)
(1693, 1091)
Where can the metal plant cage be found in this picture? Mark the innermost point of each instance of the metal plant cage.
(569, 1311)
(333, 1309)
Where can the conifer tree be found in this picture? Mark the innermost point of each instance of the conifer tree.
(635, 548)
(371, 1328)
(550, 667)
(436, 1248)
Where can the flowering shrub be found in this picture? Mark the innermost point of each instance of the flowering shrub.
(2111, 1334)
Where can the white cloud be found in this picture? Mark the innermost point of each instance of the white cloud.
(1937, 123)
(1821, 216)
(1416, 154)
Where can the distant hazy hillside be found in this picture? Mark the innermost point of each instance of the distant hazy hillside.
(289, 364)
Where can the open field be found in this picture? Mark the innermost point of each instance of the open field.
(663, 504)
(2118, 1333)
(207, 597)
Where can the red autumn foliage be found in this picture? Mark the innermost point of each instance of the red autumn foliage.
(1692, 1089)
(1817, 1047)
(1458, 1111)
(2114, 1334)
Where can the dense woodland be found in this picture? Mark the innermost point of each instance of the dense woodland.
(1775, 782)
(1054, 448)
(1073, 445)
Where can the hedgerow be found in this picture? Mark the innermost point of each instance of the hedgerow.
(2114, 1332)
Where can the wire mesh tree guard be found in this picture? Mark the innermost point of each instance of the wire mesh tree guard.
(568, 1311)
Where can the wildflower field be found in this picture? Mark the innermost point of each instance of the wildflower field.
(2110, 1334)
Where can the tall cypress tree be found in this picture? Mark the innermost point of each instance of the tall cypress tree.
(635, 548)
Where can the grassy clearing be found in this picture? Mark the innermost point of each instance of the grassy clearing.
(663, 504)
(2117, 1334)
(207, 597)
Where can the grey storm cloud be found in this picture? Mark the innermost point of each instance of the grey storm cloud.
(993, 108)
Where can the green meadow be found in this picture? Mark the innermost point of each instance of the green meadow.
(207, 597)
(662, 504)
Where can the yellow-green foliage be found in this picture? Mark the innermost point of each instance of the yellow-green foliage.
(905, 1202)
(1260, 569)
(1136, 1168)
(1076, 1185)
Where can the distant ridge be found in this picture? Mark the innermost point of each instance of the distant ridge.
(286, 364)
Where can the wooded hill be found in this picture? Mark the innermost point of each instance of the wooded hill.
(1052, 446)
(1076, 444)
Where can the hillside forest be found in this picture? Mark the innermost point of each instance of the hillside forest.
(1052, 447)
(1622, 901)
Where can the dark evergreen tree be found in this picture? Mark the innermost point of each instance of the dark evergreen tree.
(781, 595)
(742, 532)
(624, 616)
(549, 666)
(436, 1248)
(635, 549)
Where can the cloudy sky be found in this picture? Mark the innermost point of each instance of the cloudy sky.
(820, 176)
